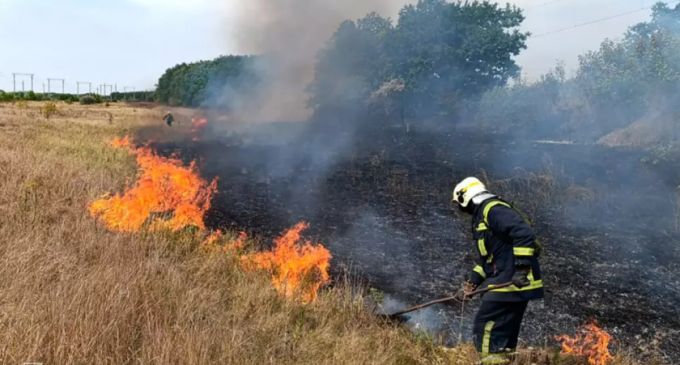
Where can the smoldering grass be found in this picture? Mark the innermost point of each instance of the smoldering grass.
(73, 292)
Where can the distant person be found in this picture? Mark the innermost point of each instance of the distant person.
(508, 252)
(169, 119)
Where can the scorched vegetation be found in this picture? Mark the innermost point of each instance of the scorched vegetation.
(74, 291)
(405, 108)
(166, 291)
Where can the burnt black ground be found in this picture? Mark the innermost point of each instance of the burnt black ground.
(379, 201)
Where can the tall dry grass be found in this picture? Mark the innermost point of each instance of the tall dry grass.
(72, 292)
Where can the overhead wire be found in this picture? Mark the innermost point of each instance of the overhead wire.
(542, 4)
(598, 20)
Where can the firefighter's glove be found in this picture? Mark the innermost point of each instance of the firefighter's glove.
(522, 270)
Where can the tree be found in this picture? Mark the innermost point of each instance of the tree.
(206, 82)
(349, 67)
(444, 53)
(638, 76)
(447, 52)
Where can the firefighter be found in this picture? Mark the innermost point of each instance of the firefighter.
(508, 252)
(169, 119)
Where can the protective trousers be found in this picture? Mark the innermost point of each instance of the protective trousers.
(495, 330)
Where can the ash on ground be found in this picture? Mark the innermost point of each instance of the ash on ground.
(381, 203)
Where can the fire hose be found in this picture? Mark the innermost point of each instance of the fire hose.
(442, 300)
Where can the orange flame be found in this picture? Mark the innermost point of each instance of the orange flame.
(164, 187)
(120, 143)
(590, 341)
(213, 243)
(296, 268)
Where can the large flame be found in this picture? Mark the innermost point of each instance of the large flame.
(175, 195)
(181, 197)
(590, 341)
(296, 267)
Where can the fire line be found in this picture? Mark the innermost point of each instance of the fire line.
(166, 188)
(167, 195)
(590, 341)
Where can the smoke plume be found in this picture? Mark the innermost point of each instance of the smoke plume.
(289, 33)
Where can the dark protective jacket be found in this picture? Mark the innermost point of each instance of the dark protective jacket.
(169, 118)
(501, 235)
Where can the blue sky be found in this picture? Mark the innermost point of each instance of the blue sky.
(123, 42)
(132, 42)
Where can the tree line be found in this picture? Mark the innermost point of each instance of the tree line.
(92, 98)
(635, 79)
(454, 61)
(205, 82)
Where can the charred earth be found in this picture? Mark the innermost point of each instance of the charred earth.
(379, 200)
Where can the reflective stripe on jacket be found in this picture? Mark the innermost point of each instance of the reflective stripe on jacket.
(501, 235)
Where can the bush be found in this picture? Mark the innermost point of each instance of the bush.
(90, 99)
(87, 100)
(49, 109)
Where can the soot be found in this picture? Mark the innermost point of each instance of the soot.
(380, 203)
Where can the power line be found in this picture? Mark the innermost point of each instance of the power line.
(543, 4)
(89, 85)
(599, 20)
(49, 84)
(14, 80)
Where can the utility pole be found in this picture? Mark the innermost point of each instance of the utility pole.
(125, 89)
(85, 83)
(49, 85)
(109, 86)
(14, 80)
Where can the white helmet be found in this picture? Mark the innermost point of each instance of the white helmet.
(468, 189)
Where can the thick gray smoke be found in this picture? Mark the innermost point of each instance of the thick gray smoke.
(289, 33)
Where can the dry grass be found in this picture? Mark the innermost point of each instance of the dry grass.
(533, 191)
(72, 292)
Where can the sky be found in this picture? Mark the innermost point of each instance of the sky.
(130, 43)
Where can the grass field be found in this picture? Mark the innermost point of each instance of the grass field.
(73, 292)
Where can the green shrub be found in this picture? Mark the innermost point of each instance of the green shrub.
(90, 99)
(87, 100)
(49, 109)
